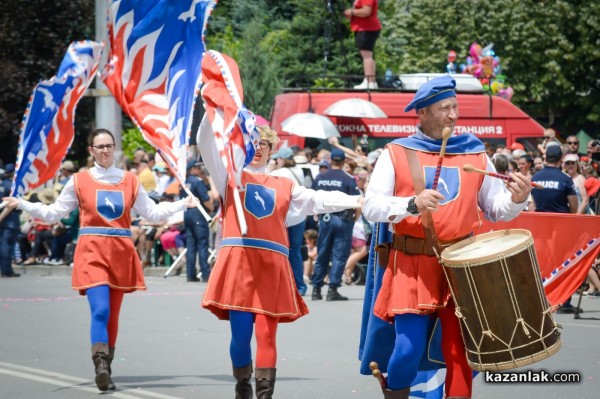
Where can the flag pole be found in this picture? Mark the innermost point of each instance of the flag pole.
(175, 171)
(198, 205)
(239, 211)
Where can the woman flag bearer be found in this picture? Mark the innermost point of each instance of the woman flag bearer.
(106, 264)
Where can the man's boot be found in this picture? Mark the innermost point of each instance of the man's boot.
(243, 388)
(334, 295)
(316, 294)
(265, 382)
(100, 358)
(111, 356)
(396, 394)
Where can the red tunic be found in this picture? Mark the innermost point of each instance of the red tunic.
(253, 273)
(105, 254)
(416, 283)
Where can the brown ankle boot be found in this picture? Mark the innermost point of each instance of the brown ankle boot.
(100, 358)
(111, 356)
(243, 388)
(265, 382)
(396, 394)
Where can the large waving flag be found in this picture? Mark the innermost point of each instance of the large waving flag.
(566, 246)
(156, 48)
(47, 129)
(233, 124)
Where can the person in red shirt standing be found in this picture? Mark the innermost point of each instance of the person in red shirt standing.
(366, 27)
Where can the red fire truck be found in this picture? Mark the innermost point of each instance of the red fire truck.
(491, 118)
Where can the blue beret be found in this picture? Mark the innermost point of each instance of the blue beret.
(431, 92)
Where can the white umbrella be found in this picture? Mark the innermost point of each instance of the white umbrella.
(308, 124)
(355, 108)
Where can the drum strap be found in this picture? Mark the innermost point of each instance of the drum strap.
(431, 240)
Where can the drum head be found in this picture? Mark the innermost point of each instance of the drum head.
(488, 246)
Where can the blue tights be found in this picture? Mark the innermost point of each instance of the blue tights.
(105, 306)
(411, 340)
(242, 325)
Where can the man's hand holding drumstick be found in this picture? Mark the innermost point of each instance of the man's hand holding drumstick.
(518, 184)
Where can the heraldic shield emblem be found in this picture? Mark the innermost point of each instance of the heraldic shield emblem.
(110, 204)
(448, 184)
(259, 200)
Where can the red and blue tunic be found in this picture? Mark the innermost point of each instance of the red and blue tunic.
(105, 254)
(416, 283)
(252, 272)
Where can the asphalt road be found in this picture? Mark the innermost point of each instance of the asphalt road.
(169, 347)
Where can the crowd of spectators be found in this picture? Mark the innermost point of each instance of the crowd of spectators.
(39, 243)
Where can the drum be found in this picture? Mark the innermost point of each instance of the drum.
(504, 315)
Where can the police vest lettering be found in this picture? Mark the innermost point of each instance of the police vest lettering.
(549, 184)
(329, 183)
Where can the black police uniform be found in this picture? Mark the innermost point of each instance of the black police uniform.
(335, 234)
(197, 232)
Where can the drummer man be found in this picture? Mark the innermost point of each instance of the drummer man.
(414, 286)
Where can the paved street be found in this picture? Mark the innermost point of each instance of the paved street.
(169, 347)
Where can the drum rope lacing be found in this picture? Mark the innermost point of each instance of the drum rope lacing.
(483, 321)
(513, 295)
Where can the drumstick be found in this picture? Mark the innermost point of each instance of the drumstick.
(377, 374)
(445, 136)
(470, 168)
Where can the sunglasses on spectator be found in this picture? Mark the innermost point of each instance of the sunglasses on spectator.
(573, 142)
(570, 163)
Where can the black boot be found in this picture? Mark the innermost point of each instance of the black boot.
(396, 394)
(243, 388)
(100, 358)
(334, 295)
(265, 382)
(111, 356)
(316, 294)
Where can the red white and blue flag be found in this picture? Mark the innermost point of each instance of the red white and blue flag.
(232, 123)
(47, 129)
(156, 49)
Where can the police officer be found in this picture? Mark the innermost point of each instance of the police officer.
(9, 227)
(197, 232)
(335, 230)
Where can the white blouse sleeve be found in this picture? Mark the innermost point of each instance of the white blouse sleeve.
(153, 212)
(64, 204)
(380, 203)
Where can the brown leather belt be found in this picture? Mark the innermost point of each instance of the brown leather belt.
(417, 246)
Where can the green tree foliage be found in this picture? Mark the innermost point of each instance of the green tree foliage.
(549, 50)
(132, 140)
